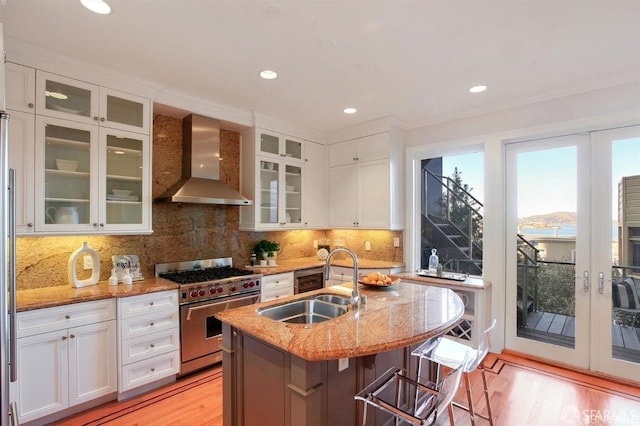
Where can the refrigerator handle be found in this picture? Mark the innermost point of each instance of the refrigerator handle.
(13, 369)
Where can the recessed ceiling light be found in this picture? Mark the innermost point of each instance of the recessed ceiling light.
(350, 110)
(478, 89)
(97, 6)
(268, 74)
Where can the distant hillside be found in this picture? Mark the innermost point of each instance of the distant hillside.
(548, 220)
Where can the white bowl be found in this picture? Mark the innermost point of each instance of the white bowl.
(66, 165)
(121, 192)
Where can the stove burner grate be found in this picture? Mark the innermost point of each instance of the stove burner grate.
(204, 275)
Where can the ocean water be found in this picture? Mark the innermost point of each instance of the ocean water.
(562, 231)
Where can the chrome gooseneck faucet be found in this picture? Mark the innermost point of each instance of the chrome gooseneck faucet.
(355, 295)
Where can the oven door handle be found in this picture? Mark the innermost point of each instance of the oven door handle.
(208, 305)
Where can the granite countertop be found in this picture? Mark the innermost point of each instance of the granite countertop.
(65, 294)
(290, 265)
(392, 318)
(469, 283)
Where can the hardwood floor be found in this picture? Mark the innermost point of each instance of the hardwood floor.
(523, 393)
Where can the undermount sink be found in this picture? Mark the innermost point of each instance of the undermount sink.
(305, 311)
(333, 298)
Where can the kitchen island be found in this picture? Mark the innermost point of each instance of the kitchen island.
(296, 374)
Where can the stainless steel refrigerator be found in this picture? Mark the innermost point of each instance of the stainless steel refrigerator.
(7, 262)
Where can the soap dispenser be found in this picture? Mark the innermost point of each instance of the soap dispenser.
(433, 261)
(127, 279)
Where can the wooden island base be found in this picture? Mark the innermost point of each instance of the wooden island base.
(263, 384)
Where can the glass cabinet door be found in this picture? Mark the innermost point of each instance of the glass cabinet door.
(269, 192)
(269, 144)
(62, 97)
(123, 189)
(65, 174)
(293, 148)
(293, 194)
(124, 111)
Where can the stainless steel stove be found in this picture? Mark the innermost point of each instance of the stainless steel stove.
(207, 286)
(209, 279)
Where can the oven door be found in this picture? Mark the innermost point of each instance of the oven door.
(309, 279)
(200, 331)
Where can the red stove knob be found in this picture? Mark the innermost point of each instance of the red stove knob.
(251, 284)
(212, 290)
(219, 289)
(202, 292)
(233, 288)
(193, 293)
(245, 285)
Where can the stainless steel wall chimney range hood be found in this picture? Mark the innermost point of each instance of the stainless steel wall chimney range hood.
(200, 182)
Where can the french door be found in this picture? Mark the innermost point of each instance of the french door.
(573, 238)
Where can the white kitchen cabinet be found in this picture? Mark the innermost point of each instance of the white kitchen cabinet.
(365, 183)
(274, 176)
(149, 340)
(70, 99)
(66, 356)
(277, 146)
(314, 187)
(21, 151)
(21, 88)
(276, 286)
(77, 168)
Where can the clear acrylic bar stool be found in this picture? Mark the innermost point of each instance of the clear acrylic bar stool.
(445, 351)
(392, 393)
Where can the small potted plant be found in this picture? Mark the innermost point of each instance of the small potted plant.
(266, 250)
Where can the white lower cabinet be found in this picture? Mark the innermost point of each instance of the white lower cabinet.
(73, 361)
(149, 339)
(276, 286)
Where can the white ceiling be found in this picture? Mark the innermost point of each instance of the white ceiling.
(413, 60)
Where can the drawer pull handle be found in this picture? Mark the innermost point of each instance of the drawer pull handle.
(67, 316)
(152, 345)
(151, 323)
(153, 369)
(151, 303)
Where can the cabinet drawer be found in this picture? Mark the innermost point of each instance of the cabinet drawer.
(145, 324)
(148, 303)
(275, 294)
(272, 282)
(147, 346)
(44, 320)
(147, 371)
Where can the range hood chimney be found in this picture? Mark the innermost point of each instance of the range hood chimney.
(200, 182)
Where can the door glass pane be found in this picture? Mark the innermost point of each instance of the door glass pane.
(625, 242)
(293, 193)
(124, 180)
(124, 111)
(269, 192)
(546, 244)
(269, 144)
(293, 149)
(66, 98)
(452, 212)
(67, 175)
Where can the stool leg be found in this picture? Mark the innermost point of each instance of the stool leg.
(451, 421)
(467, 384)
(486, 395)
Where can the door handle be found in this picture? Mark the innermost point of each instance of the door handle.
(601, 283)
(585, 281)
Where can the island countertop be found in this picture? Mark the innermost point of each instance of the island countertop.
(392, 317)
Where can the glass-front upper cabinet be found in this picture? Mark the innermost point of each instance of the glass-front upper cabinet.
(271, 143)
(63, 97)
(280, 194)
(124, 186)
(65, 175)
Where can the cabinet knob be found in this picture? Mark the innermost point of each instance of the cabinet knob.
(151, 303)
(102, 224)
(95, 118)
(63, 338)
(153, 369)
(67, 316)
(29, 225)
(102, 119)
(152, 345)
(72, 336)
(30, 105)
(151, 323)
(95, 224)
